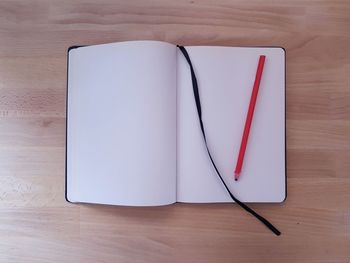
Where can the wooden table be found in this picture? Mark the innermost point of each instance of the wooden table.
(36, 223)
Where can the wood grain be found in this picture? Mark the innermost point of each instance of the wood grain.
(37, 225)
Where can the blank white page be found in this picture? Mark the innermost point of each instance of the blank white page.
(225, 77)
(121, 137)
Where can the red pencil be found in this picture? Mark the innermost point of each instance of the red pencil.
(249, 118)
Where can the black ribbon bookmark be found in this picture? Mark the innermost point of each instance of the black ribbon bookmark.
(199, 111)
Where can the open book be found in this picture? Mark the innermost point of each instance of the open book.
(133, 136)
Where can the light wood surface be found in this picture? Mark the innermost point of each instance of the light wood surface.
(36, 223)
